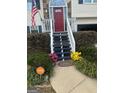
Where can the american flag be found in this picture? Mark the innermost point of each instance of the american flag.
(34, 12)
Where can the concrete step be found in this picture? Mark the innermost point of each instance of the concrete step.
(59, 45)
(62, 53)
(60, 35)
(58, 49)
(63, 32)
(65, 58)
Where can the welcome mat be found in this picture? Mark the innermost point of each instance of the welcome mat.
(65, 63)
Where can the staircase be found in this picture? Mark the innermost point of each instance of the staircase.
(61, 45)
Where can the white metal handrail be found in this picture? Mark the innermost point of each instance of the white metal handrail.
(71, 37)
(51, 35)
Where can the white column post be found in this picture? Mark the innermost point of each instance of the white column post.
(75, 25)
(42, 15)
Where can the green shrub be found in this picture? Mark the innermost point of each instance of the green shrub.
(85, 38)
(41, 59)
(87, 68)
(38, 41)
(89, 52)
(41, 41)
(33, 78)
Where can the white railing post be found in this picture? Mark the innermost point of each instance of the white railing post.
(43, 27)
(51, 36)
(71, 37)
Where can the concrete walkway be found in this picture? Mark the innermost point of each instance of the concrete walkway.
(69, 80)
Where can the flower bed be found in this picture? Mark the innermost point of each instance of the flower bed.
(89, 52)
(39, 60)
(87, 68)
(83, 65)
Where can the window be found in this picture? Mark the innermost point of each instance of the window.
(80, 1)
(40, 28)
(94, 1)
(87, 27)
(87, 1)
(29, 4)
(38, 3)
(28, 29)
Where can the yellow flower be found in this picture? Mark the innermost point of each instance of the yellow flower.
(76, 56)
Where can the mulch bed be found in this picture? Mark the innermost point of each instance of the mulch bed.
(65, 63)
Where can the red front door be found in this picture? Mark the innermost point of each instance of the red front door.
(58, 19)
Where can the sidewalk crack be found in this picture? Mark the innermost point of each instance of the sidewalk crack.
(76, 85)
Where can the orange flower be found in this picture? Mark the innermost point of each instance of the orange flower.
(40, 70)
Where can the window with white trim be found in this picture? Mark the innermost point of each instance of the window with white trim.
(29, 4)
(28, 29)
(87, 1)
(94, 1)
(38, 29)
